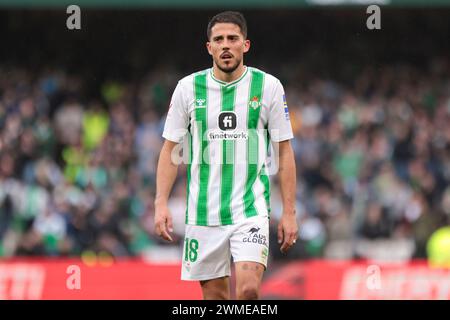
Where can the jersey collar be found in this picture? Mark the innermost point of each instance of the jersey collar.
(227, 84)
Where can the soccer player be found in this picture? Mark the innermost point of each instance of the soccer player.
(226, 116)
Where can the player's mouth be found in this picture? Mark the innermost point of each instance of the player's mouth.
(226, 56)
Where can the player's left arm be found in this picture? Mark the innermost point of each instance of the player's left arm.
(281, 133)
(287, 227)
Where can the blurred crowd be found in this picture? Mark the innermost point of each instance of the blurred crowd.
(77, 174)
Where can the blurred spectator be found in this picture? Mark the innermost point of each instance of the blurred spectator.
(377, 223)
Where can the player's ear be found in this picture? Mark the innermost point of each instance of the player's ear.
(208, 47)
(246, 45)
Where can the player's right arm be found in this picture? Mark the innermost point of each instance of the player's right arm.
(165, 177)
(175, 129)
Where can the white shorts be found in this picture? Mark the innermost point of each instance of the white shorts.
(207, 250)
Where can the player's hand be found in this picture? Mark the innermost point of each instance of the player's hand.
(163, 222)
(287, 231)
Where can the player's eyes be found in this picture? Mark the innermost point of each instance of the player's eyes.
(234, 39)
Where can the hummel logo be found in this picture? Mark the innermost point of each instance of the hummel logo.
(254, 230)
(200, 103)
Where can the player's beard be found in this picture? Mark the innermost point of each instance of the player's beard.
(230, 68)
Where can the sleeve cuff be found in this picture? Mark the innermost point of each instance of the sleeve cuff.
(172, 138)
(282, 138)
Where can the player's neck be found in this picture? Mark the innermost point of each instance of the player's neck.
(228, 77)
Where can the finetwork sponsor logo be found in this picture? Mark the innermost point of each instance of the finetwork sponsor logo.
(220, 135)
(227, 120)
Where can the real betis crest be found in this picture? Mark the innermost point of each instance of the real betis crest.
(264, 253)
(254, 102)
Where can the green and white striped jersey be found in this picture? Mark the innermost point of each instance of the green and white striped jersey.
(226, 130)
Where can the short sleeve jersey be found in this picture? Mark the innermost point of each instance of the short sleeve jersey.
(225, 130)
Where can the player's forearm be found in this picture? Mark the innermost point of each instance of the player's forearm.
(165, 175)
(287, 177)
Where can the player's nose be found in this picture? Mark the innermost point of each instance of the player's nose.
(225, 44)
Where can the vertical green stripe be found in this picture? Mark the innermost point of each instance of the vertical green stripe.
(201, 117)
(265, 181)
(226, 187)
(188, 172)
(264, 177)
(256, 88)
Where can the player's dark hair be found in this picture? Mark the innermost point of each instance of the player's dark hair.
(234, 17)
